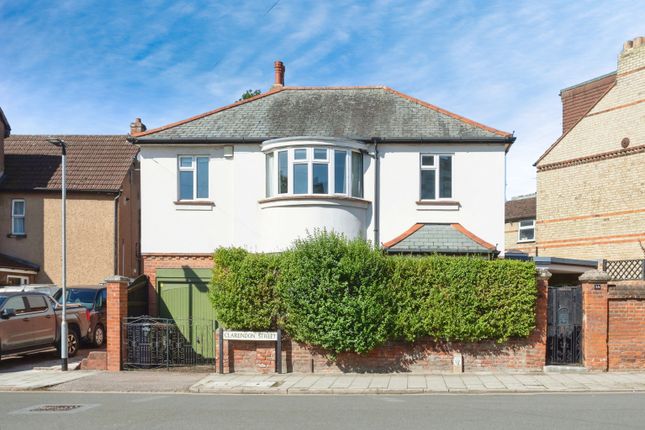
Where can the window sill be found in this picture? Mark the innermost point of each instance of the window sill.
(17, 236)
(313, 200)
(526, 241)
(194, 205)
(438, 205)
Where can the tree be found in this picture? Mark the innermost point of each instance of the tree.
(249, 93)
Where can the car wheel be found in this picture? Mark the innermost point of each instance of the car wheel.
(99, 336)
(73, 342)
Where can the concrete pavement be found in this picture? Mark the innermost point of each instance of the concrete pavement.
(38, 379)
(417, 384)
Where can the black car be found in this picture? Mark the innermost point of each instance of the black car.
(93, 299)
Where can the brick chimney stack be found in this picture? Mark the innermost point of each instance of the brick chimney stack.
(137, 126)
(279, 75)
(632, 58)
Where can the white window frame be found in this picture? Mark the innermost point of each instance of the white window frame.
(193, 169)
(24, 280)
(310, 160)
(436, 168)
(521, 228)
(22, 216)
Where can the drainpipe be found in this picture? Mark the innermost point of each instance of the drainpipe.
(116, 233)
(377, 193)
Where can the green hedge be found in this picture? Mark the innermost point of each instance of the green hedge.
(343, 295)
(243, 289)
(463, 299)
(335, 293)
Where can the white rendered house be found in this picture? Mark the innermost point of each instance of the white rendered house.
(367, 162)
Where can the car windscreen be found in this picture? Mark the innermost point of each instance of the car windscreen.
(82, 297)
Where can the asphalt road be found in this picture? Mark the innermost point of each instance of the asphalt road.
(190, 411)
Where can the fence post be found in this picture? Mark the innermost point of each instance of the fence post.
(595, 311)
(117, 311)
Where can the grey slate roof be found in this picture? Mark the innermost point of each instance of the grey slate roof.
(439, 238)
(352, 112)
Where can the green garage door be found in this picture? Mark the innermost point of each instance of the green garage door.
(183, 297)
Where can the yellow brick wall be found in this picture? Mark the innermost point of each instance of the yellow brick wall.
(600, 213)
(619, 114)
(510, 239)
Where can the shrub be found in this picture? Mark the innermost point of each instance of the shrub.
(463, 299)
(243, 289)
(335, 293)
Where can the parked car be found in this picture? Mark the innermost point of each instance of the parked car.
(30, 320)
(93, 298)
(50, 289)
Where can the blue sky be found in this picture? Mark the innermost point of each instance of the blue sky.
(92, 66)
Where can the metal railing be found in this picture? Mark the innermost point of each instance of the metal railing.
(160, 342)
(623, 270)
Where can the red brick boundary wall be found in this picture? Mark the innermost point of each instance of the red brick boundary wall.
(152, 262)
(613, 329)
(117, 310)
(626, 326)
(425, 356)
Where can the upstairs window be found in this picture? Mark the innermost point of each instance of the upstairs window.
(314, 170)
(193, 177)
(436, 177)
(18, 217)
(526, 231)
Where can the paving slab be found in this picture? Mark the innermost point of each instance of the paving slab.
(38, 379)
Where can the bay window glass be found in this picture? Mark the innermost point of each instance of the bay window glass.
(270, 183)
(445, 176)
(283, 171)
(428, 184)
(340, 172)
(320, 174)
(357, 174)
(300, 182)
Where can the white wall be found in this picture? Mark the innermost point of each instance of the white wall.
(238, 184)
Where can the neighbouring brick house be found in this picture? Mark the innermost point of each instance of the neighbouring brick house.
(102, 209)
(591, 181)
(519, 227)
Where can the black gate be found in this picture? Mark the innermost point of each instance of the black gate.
(564, 334)
(161, 342)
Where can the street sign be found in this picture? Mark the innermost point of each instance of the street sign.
(251, 335)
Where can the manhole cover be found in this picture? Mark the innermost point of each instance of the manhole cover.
(55, 409)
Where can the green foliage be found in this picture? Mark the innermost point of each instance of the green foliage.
(343, 295)
(250, 93)
(463, 299)
(243, 289)
(335, 294)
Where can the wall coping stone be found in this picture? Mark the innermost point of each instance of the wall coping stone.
(117, 279)
(597, 276)
(543, 274)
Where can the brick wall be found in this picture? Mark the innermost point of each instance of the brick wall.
(510, 239)
(152, 262)
(598, 214)
(626, 331)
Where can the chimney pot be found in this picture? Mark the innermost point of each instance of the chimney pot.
(279, 74)
(137, 126)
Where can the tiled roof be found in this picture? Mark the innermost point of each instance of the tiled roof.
(94, 163)
(439, 238)
(353, 112)
(519, 209)
(9, 262)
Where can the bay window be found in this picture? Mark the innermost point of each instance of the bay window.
(314, 170)
(193, 177)
(436, 177)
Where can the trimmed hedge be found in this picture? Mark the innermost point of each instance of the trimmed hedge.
(335, 293)
(243, 289)
(343, 295)
(463, 299)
